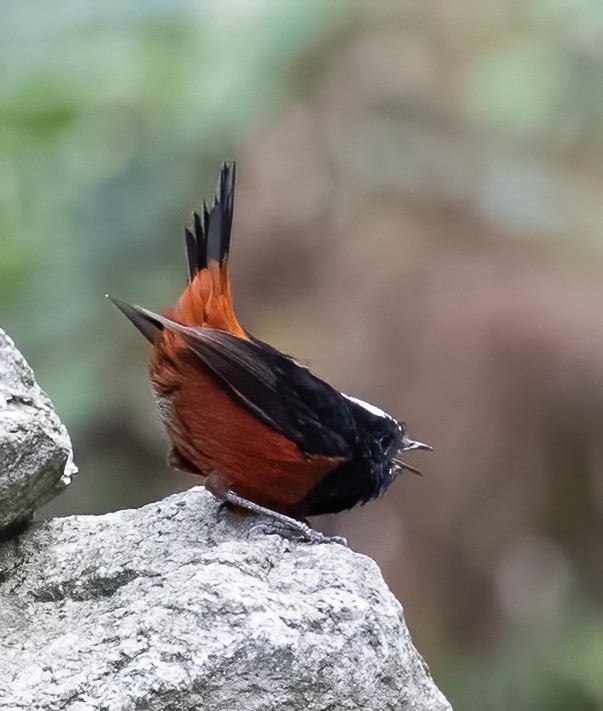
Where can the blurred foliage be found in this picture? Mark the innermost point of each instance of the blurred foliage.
(536, 669)
(420, 213)
(108, 114)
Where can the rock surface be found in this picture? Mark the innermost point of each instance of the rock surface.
(186, 605)
(36, 462)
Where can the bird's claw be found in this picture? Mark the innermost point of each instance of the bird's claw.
(301, 532)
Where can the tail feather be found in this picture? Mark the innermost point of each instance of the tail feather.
(208, 239)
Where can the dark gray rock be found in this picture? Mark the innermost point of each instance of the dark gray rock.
(36, 462)
(185, 605)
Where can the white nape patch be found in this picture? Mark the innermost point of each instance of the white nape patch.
(367, 406)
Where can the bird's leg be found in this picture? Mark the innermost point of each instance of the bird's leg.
(281, 523)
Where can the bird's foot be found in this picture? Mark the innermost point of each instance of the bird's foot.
(279, 523)
(288, 527)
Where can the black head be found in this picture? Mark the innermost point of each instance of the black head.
(379, 440)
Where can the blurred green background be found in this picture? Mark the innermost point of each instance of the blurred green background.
(419, 217)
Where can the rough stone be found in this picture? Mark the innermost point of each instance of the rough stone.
(184, 604)
(36, 461)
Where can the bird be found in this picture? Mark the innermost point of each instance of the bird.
(266, 434)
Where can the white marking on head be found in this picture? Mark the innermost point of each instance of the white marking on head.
(367, 406)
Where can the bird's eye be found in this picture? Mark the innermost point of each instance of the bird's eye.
(391, 440)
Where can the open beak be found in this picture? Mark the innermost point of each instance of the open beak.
(408, 445)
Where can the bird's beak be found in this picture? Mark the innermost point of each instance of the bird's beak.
(408, 444)
(414, 470)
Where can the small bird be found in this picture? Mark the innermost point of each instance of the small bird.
(266, 433)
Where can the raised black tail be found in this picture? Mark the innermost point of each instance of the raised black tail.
(208, 239)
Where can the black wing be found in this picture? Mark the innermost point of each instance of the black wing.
(280, 393)
(283, 395)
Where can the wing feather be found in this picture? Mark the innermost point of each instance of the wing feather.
(282, 394)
